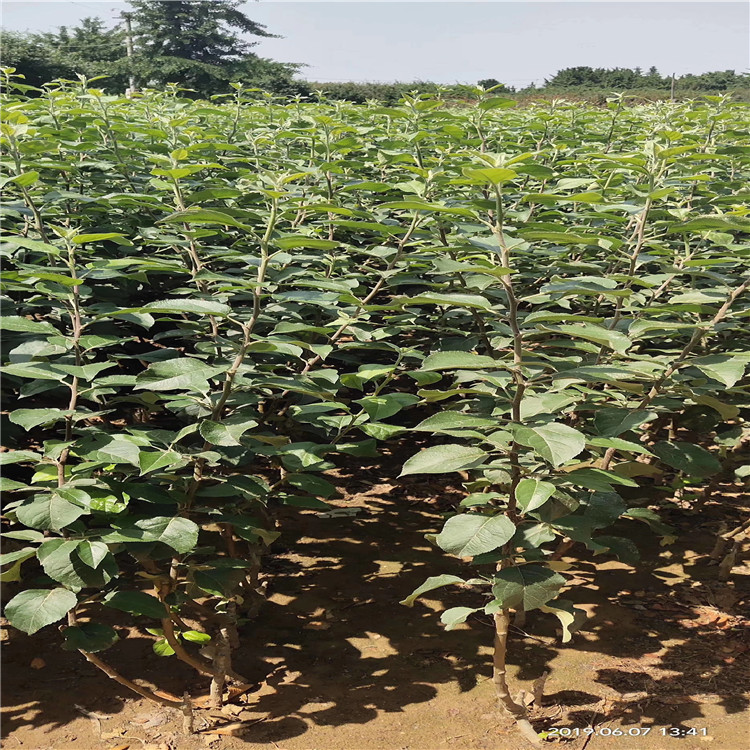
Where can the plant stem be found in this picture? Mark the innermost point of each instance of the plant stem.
(500, 679)
(517, 374)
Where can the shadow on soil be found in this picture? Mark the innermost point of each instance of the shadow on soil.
(340, 649)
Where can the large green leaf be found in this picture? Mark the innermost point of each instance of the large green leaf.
(59, 561)
(453, 420)
(533, 493)
(570, 618)
(137, 603)
(458, 361)
(90, 637)
(32, 609)
(49, 511)
(204, 216)
(554, 442)
(454, 616)
(452, 299)
(443, 459)
(227, 432)
(183, 373)
(526, 587)
(181, 534)
(470, 534)
(612, 422)
(688, 458)
(591, 332)
(30, 418)
(727, 369)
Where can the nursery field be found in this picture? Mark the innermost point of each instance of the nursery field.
(361, 427)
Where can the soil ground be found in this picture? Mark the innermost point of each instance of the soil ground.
(339, 664)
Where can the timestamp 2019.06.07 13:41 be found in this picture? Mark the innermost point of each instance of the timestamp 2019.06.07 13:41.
(628, 732)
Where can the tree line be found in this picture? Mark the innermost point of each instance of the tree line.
(200, 45)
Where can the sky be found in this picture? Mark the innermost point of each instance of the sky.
(462, 42)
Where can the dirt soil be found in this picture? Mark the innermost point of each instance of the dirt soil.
(338, 664)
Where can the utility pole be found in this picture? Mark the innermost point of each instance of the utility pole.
(129, 47)
(671, 90)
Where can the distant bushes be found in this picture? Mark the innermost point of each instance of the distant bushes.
(621, 79)
(387, 93)
(590, 84)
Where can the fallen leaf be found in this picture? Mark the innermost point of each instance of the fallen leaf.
(155, 719)
(38, 663)
(231, 730)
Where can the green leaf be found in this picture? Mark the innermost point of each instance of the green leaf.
(300, 240)
(58, 559)
(533, 493)
(221, 582)
(726, 369)
(458, 361)
(90, 637)
(25, 325)
(92, 553)
(30, 418)
(493, 175)
(203, 216)
(162, 648)
(619, 444)
(195, 636)
(570, 618)
(82, 239)
(546, 403)
(432, 583)
(454, 616)
(33, 609)
(554, 442)
(382, 430)
(451, 299)
(453, 420)
(170, 306)
(526, 587)
(597, 479)
(149, 461)
(590, 332)
(33, 370)
(443, 459)
(19, 554)
(471, 534)
(181, 534)
(688, 458)
(137, 603)
(25, 179)
(313, 484)
(382, 407)
(17, 457)
(497, 102)
(227, 432)
(177, 374)
(612, 422)
(49, 511)
(116, 449)
(13, 573)
(720, 223)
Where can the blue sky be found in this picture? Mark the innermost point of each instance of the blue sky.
(448, 42)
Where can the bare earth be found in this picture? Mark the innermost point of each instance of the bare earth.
(341, 665)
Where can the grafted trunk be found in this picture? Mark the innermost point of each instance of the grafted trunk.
(500, 679)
